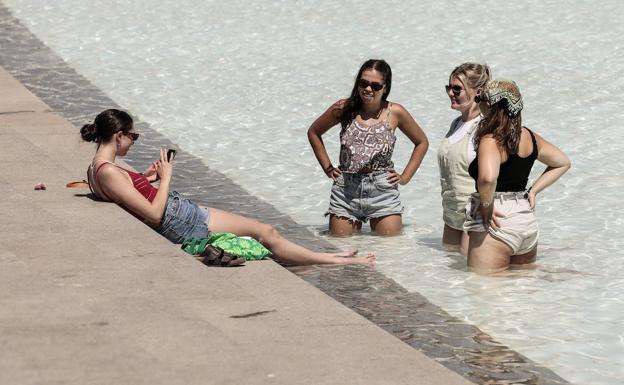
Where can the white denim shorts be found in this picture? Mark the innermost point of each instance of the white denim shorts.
(361, 197)
(518, 228)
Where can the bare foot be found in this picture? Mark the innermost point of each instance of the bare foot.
(350, 257)
(345, 254)
(366, 259)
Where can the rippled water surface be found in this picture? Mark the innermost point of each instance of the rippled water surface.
(238, 84)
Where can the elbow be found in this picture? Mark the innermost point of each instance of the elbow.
(486, 179)
(153, 219)
(423, 145)
(312, 135)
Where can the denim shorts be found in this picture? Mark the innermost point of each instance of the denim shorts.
(360, 197)
(518, 228)
(183, 219)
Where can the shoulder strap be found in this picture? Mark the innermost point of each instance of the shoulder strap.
(455, 123)
(389, 108)
(96, 184)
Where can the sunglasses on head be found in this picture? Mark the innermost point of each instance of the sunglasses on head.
(362, 83)
(456, 89)
(132, 135)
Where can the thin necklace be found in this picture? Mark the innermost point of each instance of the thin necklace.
(376, 116)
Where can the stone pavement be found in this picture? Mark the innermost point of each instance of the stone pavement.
(90, 295)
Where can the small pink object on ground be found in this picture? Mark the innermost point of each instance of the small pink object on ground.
(40, 186)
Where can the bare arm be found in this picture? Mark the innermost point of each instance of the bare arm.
(321, 125)
(556, 161)
(489, 166)
(490, 159)
(118, 187)
(412, 130)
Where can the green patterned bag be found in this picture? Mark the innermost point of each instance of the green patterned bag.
(245, 247)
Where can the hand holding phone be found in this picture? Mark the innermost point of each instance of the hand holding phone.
(171, 153)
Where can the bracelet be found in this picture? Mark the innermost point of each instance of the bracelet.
(329, 168)
(526, 194)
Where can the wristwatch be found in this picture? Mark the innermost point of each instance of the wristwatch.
(486, 204)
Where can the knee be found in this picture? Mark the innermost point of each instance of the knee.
(340, 231)
(268, 234)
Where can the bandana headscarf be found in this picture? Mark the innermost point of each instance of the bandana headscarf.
(497, 90)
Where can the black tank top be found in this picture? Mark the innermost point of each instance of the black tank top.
(513, 174)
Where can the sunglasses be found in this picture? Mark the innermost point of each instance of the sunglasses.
(362, 83)
(132, 135)
(480, 99)
(456, 89)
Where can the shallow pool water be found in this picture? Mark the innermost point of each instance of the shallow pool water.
(238, 84)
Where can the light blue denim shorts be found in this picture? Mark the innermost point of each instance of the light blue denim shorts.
(360, 197)
(183, 219)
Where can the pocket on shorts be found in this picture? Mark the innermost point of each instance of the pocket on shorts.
(381, 183)
(340, 180)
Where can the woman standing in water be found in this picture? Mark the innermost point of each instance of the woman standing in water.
(500, 217)
(366, 182)
(171, 215)
(457, 151)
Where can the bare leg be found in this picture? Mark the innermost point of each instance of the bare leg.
(282, 249)
(455, 240)
(463, 249)
(486, 254)
(342, 227)
(388, 225)
(526, 258)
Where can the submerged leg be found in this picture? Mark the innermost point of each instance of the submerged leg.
(526, 258)
(455, 240)
(343, 227)
(487, 254)
(388, 225)
(283, 250)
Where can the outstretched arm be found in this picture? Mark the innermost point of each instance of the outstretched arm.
(321, 125)
(412, 130)
(557, 163)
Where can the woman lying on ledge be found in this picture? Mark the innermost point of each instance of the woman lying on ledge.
(173, 216)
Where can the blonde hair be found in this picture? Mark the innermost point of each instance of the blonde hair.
(473, 75)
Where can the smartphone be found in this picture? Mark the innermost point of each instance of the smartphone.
(171, 153)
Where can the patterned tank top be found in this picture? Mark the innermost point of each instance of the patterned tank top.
(367, 148)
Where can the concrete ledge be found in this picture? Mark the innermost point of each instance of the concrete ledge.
(90, 295)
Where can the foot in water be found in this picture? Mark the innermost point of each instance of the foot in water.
(351, 257)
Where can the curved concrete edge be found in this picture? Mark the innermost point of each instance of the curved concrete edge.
(90, 295)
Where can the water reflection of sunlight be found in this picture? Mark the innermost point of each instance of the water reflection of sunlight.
(255, 98)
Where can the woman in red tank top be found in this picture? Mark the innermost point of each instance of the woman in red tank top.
(169, 213)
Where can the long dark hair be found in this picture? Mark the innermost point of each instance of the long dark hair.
(505, 130)
(353, 104)
(503, 119)
(105, 125)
